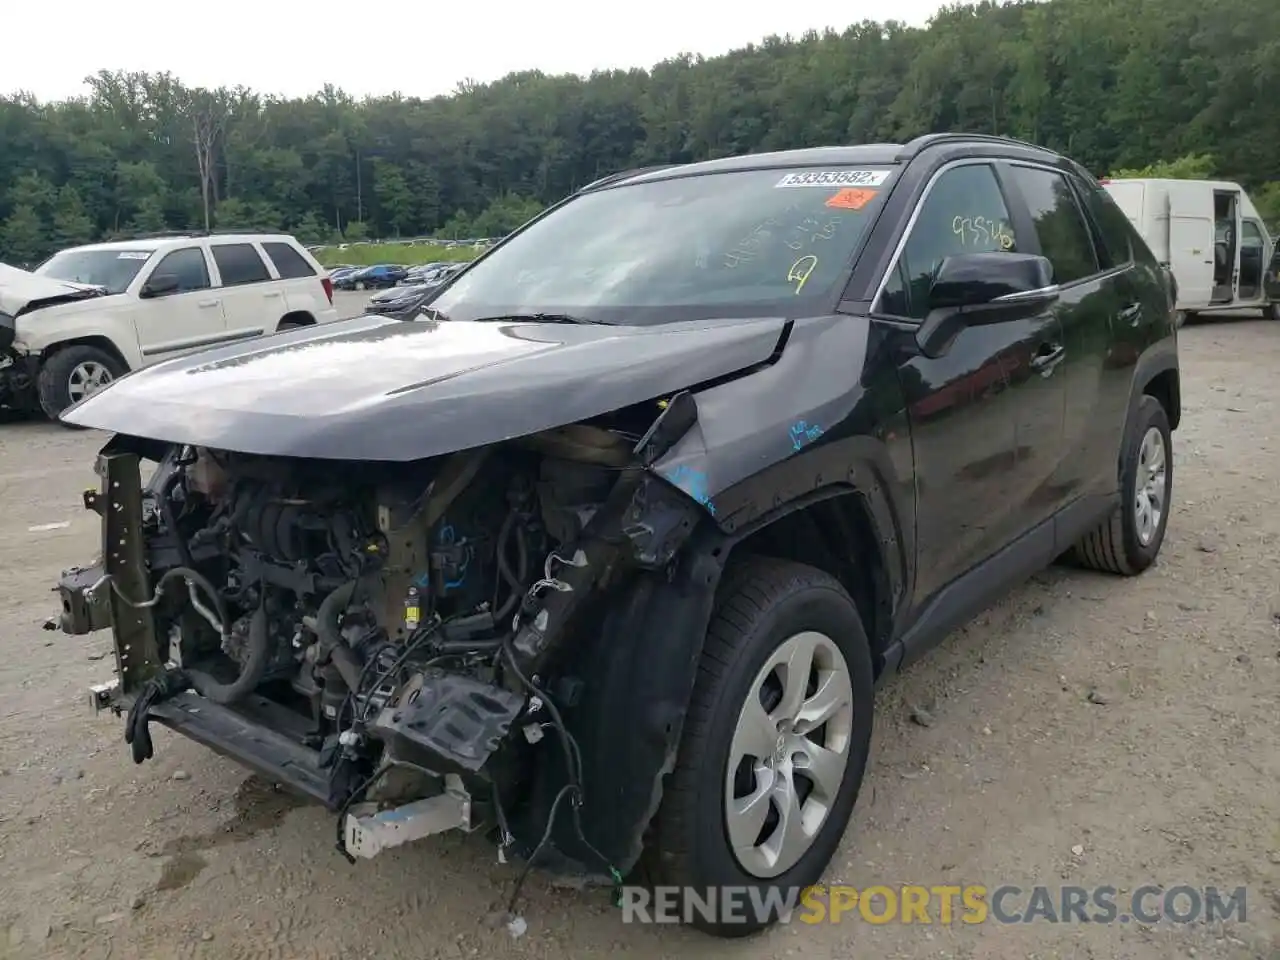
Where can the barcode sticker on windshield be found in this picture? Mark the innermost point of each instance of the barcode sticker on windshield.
(133, 255)
(834, 178)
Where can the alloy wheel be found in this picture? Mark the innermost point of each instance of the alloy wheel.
(1150, 486)
(789, 753)
(87, 378)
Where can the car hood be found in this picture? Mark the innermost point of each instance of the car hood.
(21, 291)
(378, 388)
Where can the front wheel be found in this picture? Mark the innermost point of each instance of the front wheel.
(773, 751)
(359, 285)
(72, 374)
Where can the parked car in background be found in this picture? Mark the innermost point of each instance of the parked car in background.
(90, 314)
(445, 272)
(338, 272)
(406, 303)
(421, 272)
(372, 278)
(1211, 236)
(432, 275)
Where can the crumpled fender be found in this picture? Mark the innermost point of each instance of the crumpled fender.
(798, 430)
(21, 291)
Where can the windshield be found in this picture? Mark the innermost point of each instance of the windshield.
(112, 269)
(739, 244)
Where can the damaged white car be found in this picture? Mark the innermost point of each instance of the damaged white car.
(151, 299)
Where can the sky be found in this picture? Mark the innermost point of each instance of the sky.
(375, 48)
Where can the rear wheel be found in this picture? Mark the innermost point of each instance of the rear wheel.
(774, 746)
(1129, 540)
(72, 374)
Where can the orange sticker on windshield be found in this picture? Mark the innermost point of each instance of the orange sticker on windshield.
(851, 198)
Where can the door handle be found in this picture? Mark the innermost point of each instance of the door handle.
(208, 303)
(270, 295)
(1047, 357)
(1131, 314)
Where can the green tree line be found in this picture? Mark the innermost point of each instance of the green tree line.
(1118, 84)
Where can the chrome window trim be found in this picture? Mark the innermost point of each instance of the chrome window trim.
(1052, 290)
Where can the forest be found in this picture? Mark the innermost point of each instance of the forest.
(1117, 84)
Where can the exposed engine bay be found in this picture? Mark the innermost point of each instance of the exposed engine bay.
(401, 629)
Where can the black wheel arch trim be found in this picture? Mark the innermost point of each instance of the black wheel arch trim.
(1158, 360)
(97, 341)
(638, 669)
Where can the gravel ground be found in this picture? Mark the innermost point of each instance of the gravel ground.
(350, 303)
(1087, 730)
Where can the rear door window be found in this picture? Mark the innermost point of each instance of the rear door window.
(239, 264)
(1061, 228)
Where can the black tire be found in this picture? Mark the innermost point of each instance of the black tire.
(1115, 546)
(762, 603)
(1271, 311)
(53, 383)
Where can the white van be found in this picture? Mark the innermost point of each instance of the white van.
(1209, 234)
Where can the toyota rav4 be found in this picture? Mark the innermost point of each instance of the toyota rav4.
(609, 550)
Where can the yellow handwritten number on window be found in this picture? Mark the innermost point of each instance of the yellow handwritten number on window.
(800, 270)
(982, 232)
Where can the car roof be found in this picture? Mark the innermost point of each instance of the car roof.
(874, 154)
(156, 243)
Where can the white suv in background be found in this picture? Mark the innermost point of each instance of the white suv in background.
(90, 314)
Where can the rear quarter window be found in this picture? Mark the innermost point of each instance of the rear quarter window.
(239, 263)
(1060, 226)
(289, 263)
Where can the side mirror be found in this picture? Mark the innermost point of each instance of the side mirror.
(975, 289)
(978, 279)
(159, 285)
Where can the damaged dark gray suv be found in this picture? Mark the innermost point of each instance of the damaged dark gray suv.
(607, 553)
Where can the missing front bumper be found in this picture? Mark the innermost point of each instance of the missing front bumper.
(92, 596)
(256, 733)
(368, 834)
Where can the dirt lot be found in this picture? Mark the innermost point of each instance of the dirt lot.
(350, 303)
(1088, 730)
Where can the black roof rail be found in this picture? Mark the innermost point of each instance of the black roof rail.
(117, 237)
(122, 237)
(626, 175)
(927, 140)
